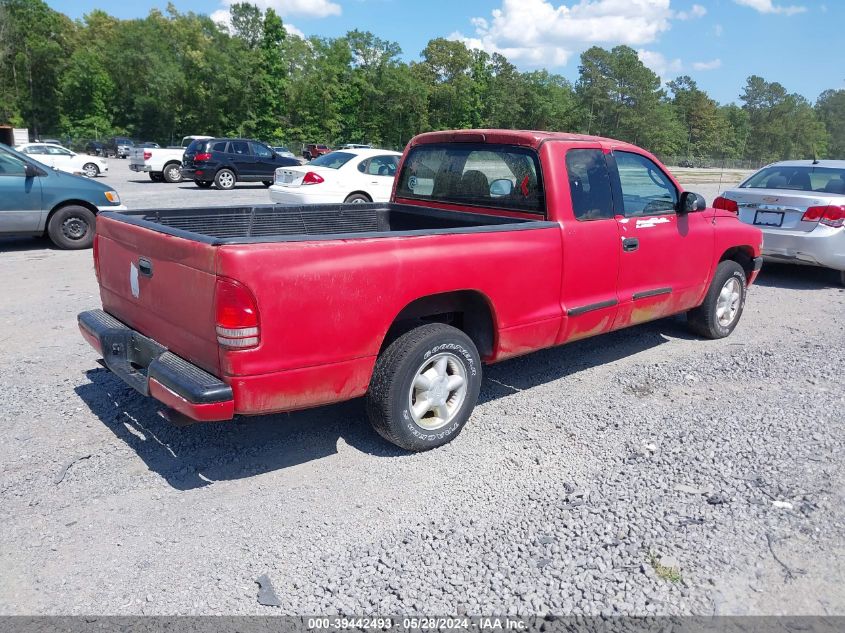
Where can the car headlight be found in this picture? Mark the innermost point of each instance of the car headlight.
(112, 196)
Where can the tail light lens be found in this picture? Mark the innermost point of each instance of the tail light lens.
(726, 204)
(831, 215)
(147, 155)
(96, 252)
(202, 156)
(312, 178)
(236, 316)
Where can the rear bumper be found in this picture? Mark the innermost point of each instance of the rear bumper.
(136, 167)
(152, 370)
(823, 246)
(302, 195)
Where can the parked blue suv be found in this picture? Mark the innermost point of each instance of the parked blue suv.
(36, 199)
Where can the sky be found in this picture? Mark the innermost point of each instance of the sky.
(717, 42)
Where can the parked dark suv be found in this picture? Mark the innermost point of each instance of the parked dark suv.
(226, 161)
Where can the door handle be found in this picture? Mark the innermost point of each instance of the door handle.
(630, 244)
(145, 267)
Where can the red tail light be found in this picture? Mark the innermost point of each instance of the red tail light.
(96, 252)
(236, 315)
(202, 156)
(312, 178)
(147, 155)
(726, 204)
(831, 215)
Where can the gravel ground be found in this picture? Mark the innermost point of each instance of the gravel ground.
(645, 471)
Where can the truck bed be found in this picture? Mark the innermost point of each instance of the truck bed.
(274, 223)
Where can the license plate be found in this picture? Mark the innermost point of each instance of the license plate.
(768, 218)
(287, 177)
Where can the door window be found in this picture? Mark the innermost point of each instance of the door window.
(11, 165)
(239, 147)
(262, 151)
(36, 149)
(589, 184)
(383, 166)
(646, 190)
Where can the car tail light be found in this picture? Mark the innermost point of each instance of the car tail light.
(202, 156)
(312, 178)
(726, 204)
(96, 252)
(236, 316)
(831, 215)
(147, 155)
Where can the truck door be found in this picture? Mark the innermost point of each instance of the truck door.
(665, 257)
(20, 196)
(591, 251)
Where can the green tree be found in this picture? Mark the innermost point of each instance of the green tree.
(830, 108)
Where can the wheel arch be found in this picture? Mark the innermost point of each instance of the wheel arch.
(470, 311)
(68, 203)
(359, 192)
(742, 255)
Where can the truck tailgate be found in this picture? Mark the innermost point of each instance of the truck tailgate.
(160, 285)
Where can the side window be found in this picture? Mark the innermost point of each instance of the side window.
(262, 151)
(364, 166)
(11, 165)
(220, 146)
(646, 190)
(383, 166)
(589, 184)
(239, 147)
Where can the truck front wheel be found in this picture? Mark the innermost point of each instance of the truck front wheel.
(718, 315)
(424, 387)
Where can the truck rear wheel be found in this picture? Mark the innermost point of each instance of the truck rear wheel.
(172, 173)
(718, 315)
(424, 387)
(72, 227)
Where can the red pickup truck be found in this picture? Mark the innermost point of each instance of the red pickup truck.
(495, 244)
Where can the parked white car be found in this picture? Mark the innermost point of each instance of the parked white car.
(351, 176)
(63, 159)
(161, 163)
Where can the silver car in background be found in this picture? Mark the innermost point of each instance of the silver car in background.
(800, 207)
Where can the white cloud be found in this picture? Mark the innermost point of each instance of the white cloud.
(307, 8)
(538, 33)
(768, 6)
(659, 64)
(697, 11)
(718, 30)
(713, 64)
(290, 29)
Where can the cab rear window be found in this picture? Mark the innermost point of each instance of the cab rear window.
(487, 175)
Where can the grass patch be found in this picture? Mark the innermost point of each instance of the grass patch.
(669, 574)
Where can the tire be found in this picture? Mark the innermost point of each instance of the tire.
(445, 355)
(172, 173)
(722, 308)
(203, 184)
(72, 227)
(267, 183)
(90, 170)
(225, 179)
(307, 157)
(357, 198)
(156, 176)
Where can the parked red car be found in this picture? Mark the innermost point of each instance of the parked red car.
(496, 243)
(310, 151)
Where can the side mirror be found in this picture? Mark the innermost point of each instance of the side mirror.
(691, 202)
(501, 187)
(30, 171)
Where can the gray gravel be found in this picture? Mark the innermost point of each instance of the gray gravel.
(646, 471)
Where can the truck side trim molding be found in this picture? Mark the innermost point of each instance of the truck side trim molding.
(645, 294)
(592, 307)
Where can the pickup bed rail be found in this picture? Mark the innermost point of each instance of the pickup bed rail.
(274, 223)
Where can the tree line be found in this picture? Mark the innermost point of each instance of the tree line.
(171, 74)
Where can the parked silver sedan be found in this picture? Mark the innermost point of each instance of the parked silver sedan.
(800, 207)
